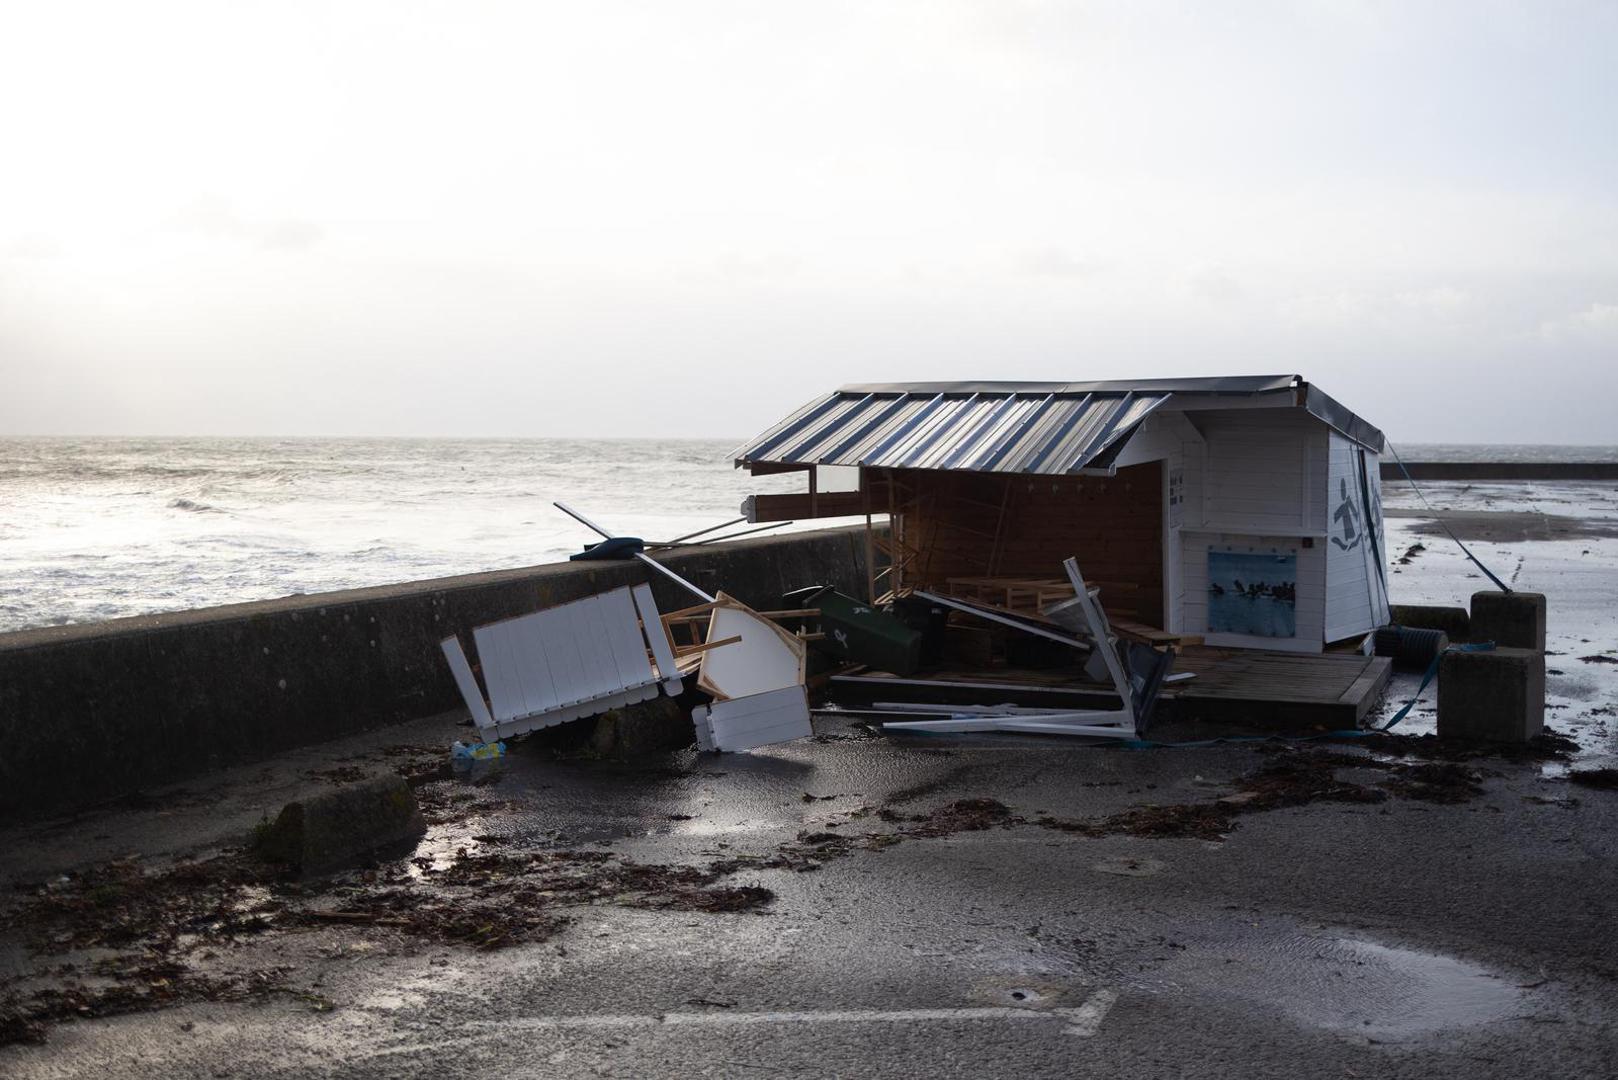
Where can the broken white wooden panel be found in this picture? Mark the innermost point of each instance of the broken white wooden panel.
(766, 658)
(774, 716)
(1100, 630)
(1117, 723)
(704, 728)
(1069, 614)
(573, 660)
(466, 682)
(1095, 725)
(1005, 709)
(657, 636)
(993, 615)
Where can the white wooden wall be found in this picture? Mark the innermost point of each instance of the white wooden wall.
(1266, 480)
(1256, 480)
(1356, 597)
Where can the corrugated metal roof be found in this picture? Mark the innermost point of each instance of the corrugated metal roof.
(1003, 427)
(1040, 431)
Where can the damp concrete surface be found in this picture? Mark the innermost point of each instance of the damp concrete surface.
(1464, 934)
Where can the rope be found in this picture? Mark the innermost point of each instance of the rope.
(1432, 669)
(1502, 586)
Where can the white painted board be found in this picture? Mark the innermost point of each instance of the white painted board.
(657, 637)
(763, 660)
(760, 719)
(466, 682)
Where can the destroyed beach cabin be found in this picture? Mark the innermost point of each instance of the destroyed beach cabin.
(1238, 512)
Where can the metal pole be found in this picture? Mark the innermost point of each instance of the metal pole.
(642, 556)
(744, 532)
(699, 532)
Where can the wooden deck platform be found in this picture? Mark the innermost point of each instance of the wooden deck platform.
(1272, 689)
(1263, 690)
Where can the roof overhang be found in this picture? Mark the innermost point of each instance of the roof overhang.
(1011, 427)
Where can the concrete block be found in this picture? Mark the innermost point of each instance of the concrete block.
(334, 829)
(1495, 696)
(1456, 622)
(1513, 620)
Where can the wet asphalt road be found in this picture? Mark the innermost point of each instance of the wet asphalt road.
(1396, 939)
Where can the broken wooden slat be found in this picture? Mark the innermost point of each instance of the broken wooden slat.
(684, 651)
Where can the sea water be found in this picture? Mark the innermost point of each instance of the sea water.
(95, 529)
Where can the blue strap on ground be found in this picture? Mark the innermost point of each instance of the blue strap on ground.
(1432, 669)
(1502, 586)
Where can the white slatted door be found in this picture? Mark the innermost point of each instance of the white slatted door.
(576, 659)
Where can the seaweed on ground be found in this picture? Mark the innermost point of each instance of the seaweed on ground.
(163, 924)
(1549, 745)
(1595, 778)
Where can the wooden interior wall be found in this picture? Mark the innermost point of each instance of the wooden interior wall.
(975, 524)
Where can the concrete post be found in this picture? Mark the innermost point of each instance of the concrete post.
(1514, 620)
(1495, 696)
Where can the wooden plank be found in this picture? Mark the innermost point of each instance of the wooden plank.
(694, 609)
(1369, 686)
(691, 650)
(624, 633)
(595, 648)
(804, 505)
(657, 637)
(531, 653)
(760, 719)
(467, 683)
(499, 667)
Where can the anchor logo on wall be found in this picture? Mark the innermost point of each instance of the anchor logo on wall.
(1349, 515)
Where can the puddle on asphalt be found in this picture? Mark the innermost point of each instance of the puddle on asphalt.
(1390, 994)
(437, 850)
(1356, 988)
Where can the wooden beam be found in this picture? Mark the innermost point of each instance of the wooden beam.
(771, 468)
(799, 506)
(694, 609)
(684, 651)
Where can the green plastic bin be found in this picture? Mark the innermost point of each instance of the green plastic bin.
(859, 632)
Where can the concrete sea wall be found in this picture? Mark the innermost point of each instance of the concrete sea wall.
(92, 712)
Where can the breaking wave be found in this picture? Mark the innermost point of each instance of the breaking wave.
(194, 507)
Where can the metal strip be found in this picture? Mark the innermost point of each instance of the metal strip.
(790, 428)
(1061, 433)
(899, 436)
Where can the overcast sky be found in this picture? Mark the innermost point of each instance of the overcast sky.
(687, 218)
